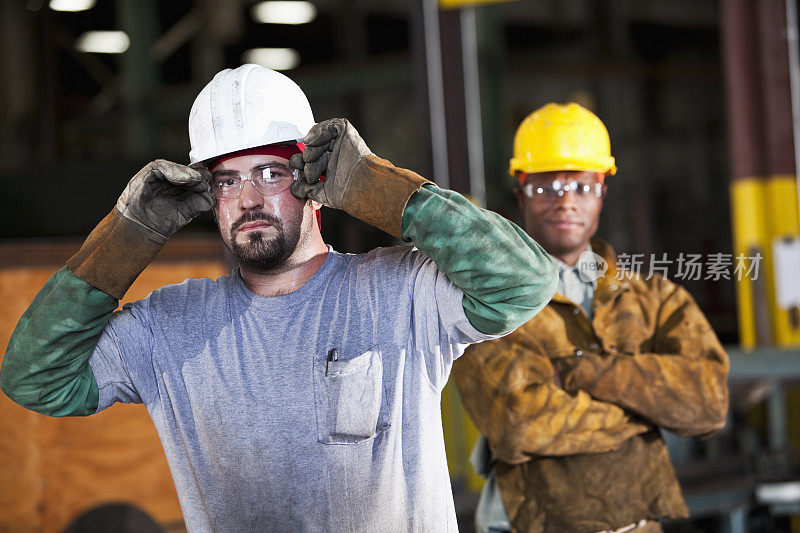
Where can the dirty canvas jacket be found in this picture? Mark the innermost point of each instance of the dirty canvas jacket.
(571, 407)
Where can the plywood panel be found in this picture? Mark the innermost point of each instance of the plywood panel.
(51, 470)
(114, 456)
(21, 486)
(21, 482)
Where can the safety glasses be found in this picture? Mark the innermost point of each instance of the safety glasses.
(550, 191)
(268, 179)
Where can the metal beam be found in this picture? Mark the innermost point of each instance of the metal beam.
(139, 74)
(472, 106)
(454, 102)
(764, 363)
(436, 100)
(178, 35)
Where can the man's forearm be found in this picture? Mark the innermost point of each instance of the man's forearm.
(46, 365)
(686, 395)
(510, 394)
(115, 253)
(555, 423)
(505, 275)
(680, 383)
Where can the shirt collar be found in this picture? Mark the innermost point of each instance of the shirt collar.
(562, 266)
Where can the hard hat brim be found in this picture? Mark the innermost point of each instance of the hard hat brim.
(245, 146)
(520, 165)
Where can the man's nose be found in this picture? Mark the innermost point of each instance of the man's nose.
(568, 199)
(249, 197)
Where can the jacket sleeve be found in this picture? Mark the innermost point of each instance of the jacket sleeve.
(681, 386)
(46, 365)
(509, 390)
(506, 277)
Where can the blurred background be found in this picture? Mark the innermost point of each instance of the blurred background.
(700, 98)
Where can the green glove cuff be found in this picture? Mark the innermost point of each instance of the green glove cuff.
(46, 367)
(505, 275)
(115, 253)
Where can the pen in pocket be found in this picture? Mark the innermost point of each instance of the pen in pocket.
(333, 356)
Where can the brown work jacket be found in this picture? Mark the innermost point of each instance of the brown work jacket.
(571, 407)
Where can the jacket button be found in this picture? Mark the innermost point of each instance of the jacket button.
(576, 312)
(578, 353)
(594, 346)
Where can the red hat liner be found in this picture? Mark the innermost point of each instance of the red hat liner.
(285, 151)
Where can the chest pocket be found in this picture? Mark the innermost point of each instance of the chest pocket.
(350, 400)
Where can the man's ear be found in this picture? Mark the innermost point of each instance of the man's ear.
(520, 198)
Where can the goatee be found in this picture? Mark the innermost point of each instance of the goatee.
(262, 253)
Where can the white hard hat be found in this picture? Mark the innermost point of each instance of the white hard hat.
(246, 107)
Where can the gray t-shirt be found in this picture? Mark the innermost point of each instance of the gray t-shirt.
(261, 431)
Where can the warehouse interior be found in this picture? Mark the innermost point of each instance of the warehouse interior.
(700, 98)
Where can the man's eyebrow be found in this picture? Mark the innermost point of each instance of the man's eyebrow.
(271, 164)
(224, 172)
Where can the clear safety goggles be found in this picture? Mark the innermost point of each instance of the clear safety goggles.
(550, 191)
(268, 179)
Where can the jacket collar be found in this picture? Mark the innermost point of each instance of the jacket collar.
(610, 285)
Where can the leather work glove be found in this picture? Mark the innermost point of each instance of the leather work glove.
(164, 196)
(333, 147)
(363, 185)
(159, 200)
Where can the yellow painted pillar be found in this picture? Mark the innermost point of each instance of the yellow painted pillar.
(460, 435)
(782, 222)
(750, 236)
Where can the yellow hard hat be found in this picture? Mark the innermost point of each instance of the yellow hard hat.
(561, 137)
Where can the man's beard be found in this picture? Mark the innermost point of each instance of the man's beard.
(259, 252)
